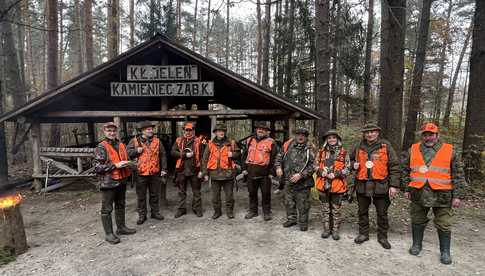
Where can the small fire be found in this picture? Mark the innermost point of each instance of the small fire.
(10, 201)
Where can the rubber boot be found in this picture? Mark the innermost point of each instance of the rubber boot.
(335, 231)
(417, 233)
(180, 212)
(230, 213)
(326, 230)
(445, 242)
(217, 214)
(289, 223)
(121, 225)
(361, 238)
(108, 229)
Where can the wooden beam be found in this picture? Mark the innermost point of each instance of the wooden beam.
(36, 170)
(162, 114)
(291, 126)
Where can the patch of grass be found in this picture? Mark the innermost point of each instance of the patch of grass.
(6, 256)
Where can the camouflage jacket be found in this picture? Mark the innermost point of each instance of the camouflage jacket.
(102, 165)
(377, 187)
(220, 174)
(426, 196)
(133, 154)
(299, 158)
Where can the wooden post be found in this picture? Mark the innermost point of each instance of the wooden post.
(117, 121)
(291, 126)
(36, 163)
(79, 165)
(213, 125)
(92, 133)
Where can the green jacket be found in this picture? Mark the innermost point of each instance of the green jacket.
(220, 174)
(426, 196)
(299, 158)
(377, 187)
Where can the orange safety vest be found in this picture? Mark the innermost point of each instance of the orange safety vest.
(149, 160)
(219, 157)
(116, 157)
(259, 153)
(379, 158)
(180, 143)
(339, 185)
(437, 174)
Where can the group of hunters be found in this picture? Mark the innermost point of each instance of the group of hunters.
(430, 176)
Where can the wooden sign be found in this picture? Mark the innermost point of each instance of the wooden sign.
(161, 72)
(144, 89)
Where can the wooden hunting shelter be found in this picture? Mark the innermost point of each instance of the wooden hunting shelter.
(157, 80)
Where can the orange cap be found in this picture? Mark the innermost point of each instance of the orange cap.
(429, 127)
(188, 126)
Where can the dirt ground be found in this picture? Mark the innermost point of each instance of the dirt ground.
(65, 237)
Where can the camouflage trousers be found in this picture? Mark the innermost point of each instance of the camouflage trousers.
(331, 211)
(443, 216)
(297, 205)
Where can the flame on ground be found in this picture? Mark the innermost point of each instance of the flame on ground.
(10, 201)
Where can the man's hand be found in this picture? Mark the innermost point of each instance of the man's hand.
(295, 178)
(356, 165)
(407, 195)
(229, 154)
(121, 164)
(139, 149)
(279, 172)
(455, 203)
(206, 178)
(331, 176)
(393, 192)
(163, 173)
(189, 154)
(199, 175)
(245, 172)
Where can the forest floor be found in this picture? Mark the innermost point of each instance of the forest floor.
(65, 237)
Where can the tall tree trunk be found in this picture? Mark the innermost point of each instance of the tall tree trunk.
(113, 28)
(276, 45)
(88, 33)
(132, 23)
(194, 31)
(290, 33)
(228, 7)
(335, 67)
(442, 64)
(451, 92)
(52, 60)
(465, 88)
(322, 65)
(77, 39)
(266, 44)
(368, 60)
(179, 20)
(61, 40)
(208, 29)
(259, 42)
(475, 110)
(415, 97)
(393, 19)
(30, 68)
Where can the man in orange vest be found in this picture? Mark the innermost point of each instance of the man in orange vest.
(151, 159)
(433, 175)
(218, 163)
(295, 165)
(333, 167)
(258, 163)
(112, 164)
(187, 150)
(377, 176)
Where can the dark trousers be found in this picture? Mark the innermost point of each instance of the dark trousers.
(152, 183)
(263, 183)
(114, 196)
(182, 183)
(297, 205)
(227, 185)
(382, 204)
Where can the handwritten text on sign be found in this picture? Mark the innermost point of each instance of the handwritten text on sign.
(134, 89)
(161, 72)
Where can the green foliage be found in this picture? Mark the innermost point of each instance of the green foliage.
(6, 256)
